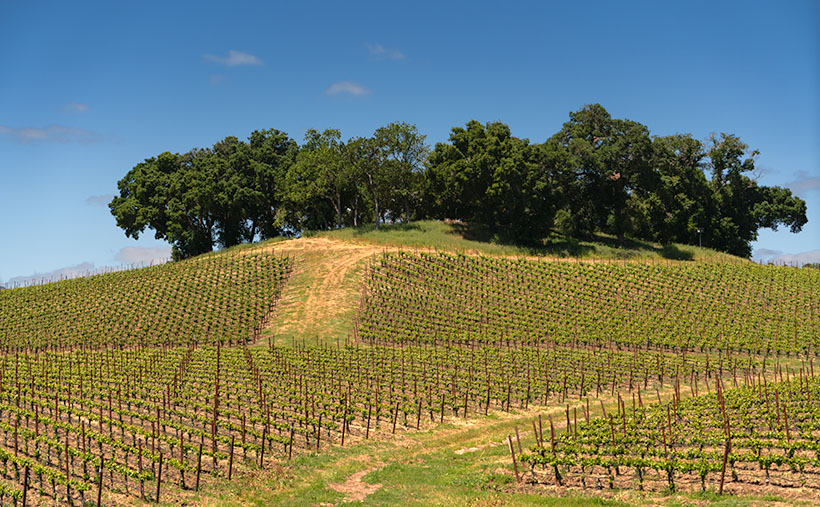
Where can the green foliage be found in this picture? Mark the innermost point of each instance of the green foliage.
(218, 297)
(487, 175)
(402, 156)
(597, 174)
(603, 162)
(223, 195)
(772, 429)
(426, 297)
(738, 206)
(319, 178)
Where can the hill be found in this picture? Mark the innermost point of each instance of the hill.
(413, 365)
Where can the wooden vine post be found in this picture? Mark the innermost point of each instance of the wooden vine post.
(99, 483)
(198, 465)
(25, 486)
(230, 459)
(367, 428)
(262, 450)
(726, 452)
(290, 445)
(515, 463)
(159, 476)
(396, 415)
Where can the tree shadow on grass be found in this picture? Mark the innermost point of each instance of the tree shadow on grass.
(396, 227)
(560, 245)
(673, 252)
(556, 245)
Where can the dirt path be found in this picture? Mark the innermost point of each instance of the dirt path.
(320, 300)
(354, 489)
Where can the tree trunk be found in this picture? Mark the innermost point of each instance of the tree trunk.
(378, 212)
(356, 211)
(338, 205)
(375, 200)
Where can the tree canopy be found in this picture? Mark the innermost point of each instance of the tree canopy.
(596, 174)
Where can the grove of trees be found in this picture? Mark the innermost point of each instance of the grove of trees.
(596, 174)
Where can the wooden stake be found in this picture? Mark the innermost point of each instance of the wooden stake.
(290, 445)
(159, 476)
(441, 420)
(25, 486)
(230, 459)
(344, 425)
(99, 483)
(725, 459)
(319, 432)
(262, 450)
(367, 429)
(515, 464)
(198, 465)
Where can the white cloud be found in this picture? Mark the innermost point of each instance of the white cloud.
(234, 59)
(143, 255)
(75, 107)
(381, 52)
(99, 200)
(51, 133)
(797, 259)
(804, 183)
(346, 88)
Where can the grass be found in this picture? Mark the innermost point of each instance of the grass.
(321, 297)
(477, 238)
(457, 463)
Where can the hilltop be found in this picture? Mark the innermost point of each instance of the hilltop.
(476, 238)
(322, 296)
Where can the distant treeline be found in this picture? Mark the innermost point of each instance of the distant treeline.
(595, 174)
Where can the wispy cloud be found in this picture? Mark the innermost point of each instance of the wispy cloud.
(51, 133)
(143, 255)
(216, 79)
(804, 183)
(346, 88)
(99, 200)
(797, 259)
(127, 257)
(49, 276)
(383, 53)
(234, 59)
(75, 107)
(762, 253)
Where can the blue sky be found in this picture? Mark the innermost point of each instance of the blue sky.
(89, 89)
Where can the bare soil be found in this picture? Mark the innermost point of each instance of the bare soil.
(354, 489)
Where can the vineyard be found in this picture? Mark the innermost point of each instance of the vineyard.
(157, 385)
(761, 434)
(149, 416)
(448, 298)
(736, 431)
(218, 297)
